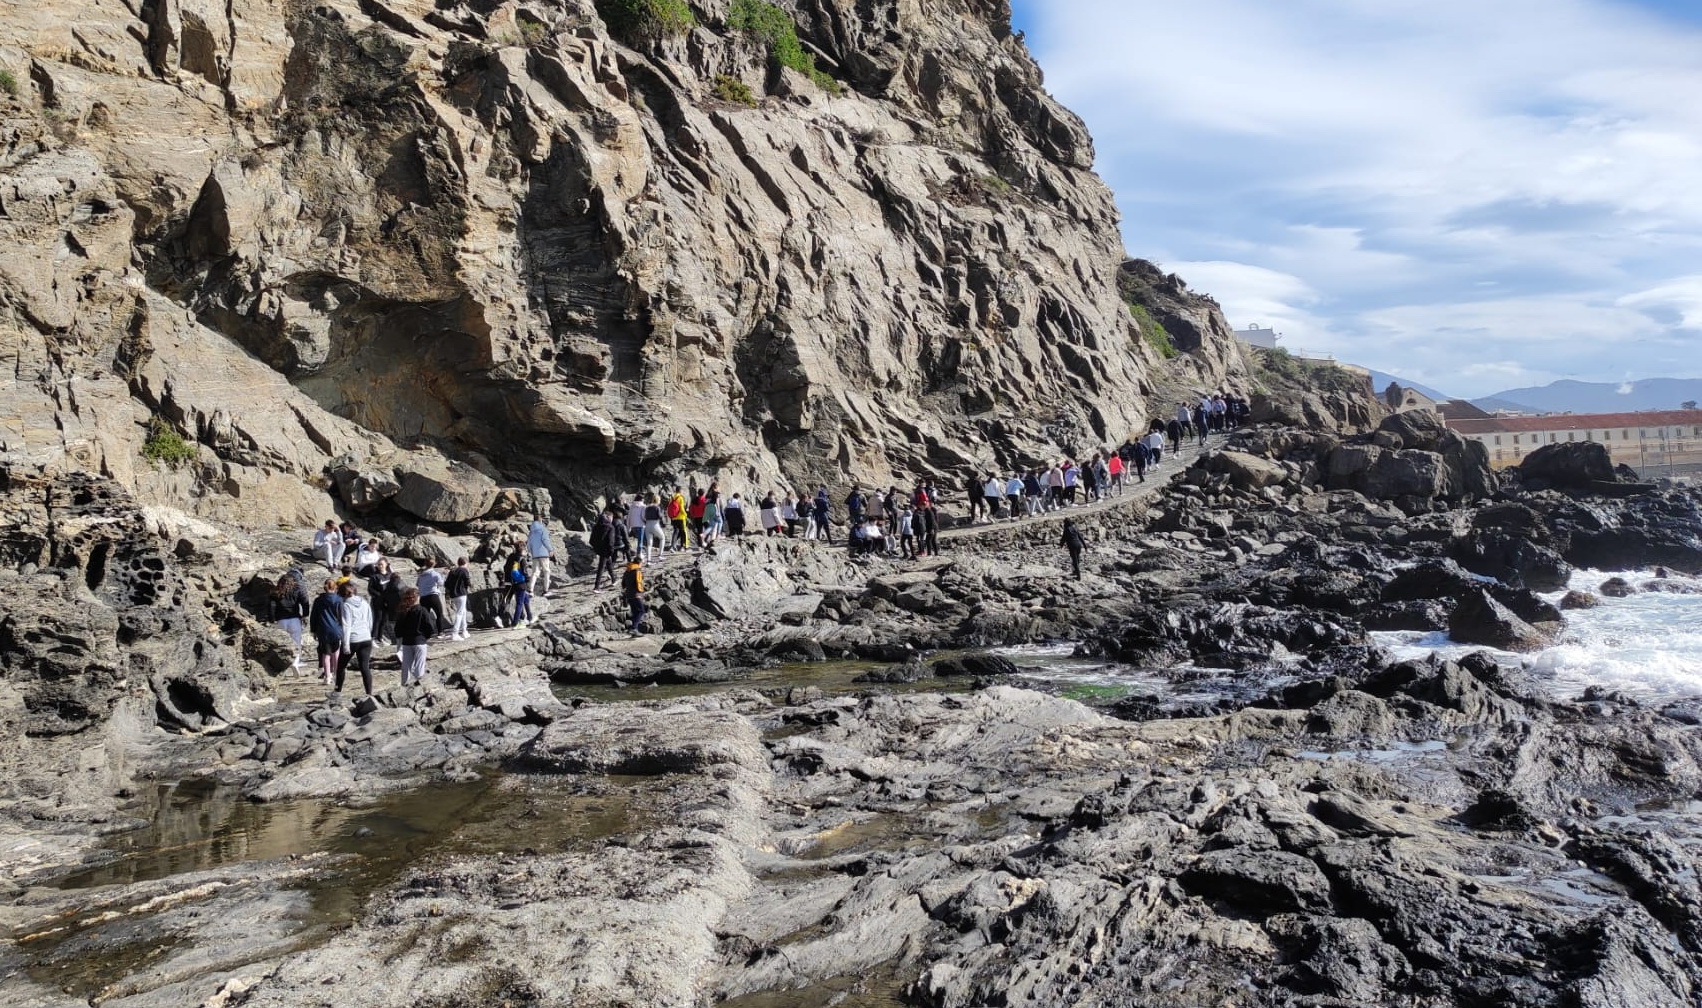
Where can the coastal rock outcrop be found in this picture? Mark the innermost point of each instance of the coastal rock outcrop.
(572, 249)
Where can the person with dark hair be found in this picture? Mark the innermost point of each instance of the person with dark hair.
(733, 516)
(287, 606)
(326, 619)
(328, 545)
(520, 583)
(1075, 543)
(603, 533)
(415, 628)
(678, 514)
(384, 592)
(769, 511)
(822, 513)
(459, 587)
(632, 592)
(430, 584)
(357, 637)
(653, 544)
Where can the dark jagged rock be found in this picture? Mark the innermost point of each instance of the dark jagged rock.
(1567, 465)
(1480, 619)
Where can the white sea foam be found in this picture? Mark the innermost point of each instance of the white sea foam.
(1647, 645)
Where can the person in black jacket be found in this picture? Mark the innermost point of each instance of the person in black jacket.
(1074, 542)
(459, 587)
(326, 619)
(415, 627)
(603, 535)
(384, 593)
(287, 606)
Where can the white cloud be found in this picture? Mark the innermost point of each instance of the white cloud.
(1364, 171)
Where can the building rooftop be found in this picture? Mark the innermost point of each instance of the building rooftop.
(1576, 421)
(1461, 409)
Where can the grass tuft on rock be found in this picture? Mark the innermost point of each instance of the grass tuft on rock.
(762, 20)
(166, 446)
(633, 20)
(9, 83)
(731, 89)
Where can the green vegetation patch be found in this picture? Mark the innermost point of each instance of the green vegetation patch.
(637, 19)
(1153, 332)
(731, 89)
(779, 33)
(166, 446)
(9, 82)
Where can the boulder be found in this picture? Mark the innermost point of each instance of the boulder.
(1579, 600)
(1512, 559)
(1616, 587)
(364, 488)
(436, 489)
(1420, 429)
(1569, 465)
(1246, 472)
(1479, 619)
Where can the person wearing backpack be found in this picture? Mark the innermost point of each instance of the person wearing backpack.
(415, 627)
(632, 592)
(459, 587)
(603, 532)
(326, 619)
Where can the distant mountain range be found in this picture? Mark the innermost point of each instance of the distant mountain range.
(1573, 396)
(1598, 397)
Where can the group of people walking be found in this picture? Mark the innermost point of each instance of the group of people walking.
(344, 624)
(648, 525)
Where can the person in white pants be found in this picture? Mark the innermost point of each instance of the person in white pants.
(458, 586)
(328, 546)
(538, 545)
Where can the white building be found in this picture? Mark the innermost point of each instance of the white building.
(1253, 335)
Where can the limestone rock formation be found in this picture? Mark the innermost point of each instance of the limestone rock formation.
(308, 236)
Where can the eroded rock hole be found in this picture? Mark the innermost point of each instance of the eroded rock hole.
(95, 573)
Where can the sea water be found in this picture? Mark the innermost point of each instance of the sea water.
(1648, 645)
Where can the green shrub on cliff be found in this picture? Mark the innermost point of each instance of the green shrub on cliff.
(166, 446)
(779, 33)
(1153, 332)
(635, 19)
(9, 82)
(731, 89)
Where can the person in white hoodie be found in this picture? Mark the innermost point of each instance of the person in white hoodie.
(538, 546)
(357, 637)
(328, 546)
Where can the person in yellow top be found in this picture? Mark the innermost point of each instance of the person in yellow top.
(677, 515)
(632, 591)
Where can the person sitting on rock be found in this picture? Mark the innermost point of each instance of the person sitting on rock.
(367, 556)
(854, 503)
(328, 546)
(632, 593)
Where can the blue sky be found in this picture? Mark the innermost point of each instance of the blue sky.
(1473, 194)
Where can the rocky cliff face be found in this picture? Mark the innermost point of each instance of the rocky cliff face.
(303, 232)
